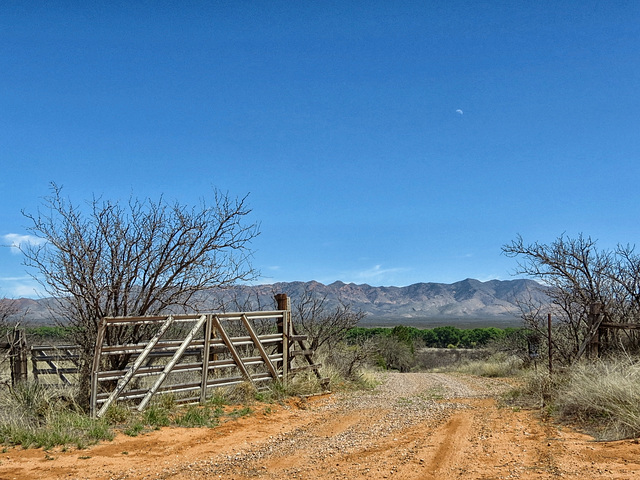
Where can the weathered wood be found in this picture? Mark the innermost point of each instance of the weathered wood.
(138, 363)
(57, 354)
(18, 357)
(297, 353)
(217, 358)
(172, 362)
(307, 356)
(283, 304)
(260, 347)
(591, 339)
(206, 357)
(622, 326)
(232, 349)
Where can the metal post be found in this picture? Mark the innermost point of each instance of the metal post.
(549, 341)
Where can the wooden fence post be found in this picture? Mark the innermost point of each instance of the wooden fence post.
(18, 357)
(595, 310)
(284, 329)
(549, 339)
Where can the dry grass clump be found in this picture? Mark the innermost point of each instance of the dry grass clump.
(33, 415)
(599, 397)
(498, 365)
(603, 398)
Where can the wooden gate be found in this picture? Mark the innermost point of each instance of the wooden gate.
(55, 365)
(188, 355)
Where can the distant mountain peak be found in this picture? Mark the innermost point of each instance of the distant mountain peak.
(467, 299)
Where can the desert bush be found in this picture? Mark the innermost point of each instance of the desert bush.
(447, 358)
(499, 365)
(393, 353)
(244, 392)
(33, 415)
(603, 398)
(350, 359)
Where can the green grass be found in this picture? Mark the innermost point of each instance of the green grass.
(194, 416)
(240, 412)
(35, 416)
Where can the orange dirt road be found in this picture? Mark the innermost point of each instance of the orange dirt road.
(414, 426)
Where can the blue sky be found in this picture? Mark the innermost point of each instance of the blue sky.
(386, 143)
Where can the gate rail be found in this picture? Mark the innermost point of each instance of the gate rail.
(220, 349)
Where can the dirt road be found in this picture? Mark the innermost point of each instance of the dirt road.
(414, 426)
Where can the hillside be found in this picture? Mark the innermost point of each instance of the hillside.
(467, 301)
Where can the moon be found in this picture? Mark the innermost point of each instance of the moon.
(460, 112)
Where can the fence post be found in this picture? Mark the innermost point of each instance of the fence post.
(595, 310)
(18, 357)
(284, 329)
(549, 339)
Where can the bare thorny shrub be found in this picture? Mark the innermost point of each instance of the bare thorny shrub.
(576, 275)
(324, 326)
(9, 327)
(144, 257)
(325, 323)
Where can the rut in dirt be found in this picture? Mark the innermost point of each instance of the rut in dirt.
(355, 427)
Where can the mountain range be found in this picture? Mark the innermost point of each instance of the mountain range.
(465, 303)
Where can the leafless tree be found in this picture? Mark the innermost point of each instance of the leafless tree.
(576, 275)
(10, 332)
(8, 309)
(142, 257)
(323, 326)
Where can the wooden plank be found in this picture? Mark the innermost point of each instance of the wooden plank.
(315, 367)
(138, 363)
(308, 357)
(258, 345)
(147, 371)
(95, 368)
(54, 358)
(208, 331)
(624, 326)
(45, 348)
(232, 349)
(52, 367)
(172, 362)
(58, 371)
(171, 346)
(297, 353)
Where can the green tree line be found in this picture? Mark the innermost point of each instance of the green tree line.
(438, 337)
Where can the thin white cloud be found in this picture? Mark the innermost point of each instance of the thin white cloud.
(15, 241)
(15, 279)
(25, 291)
(375, 274)
(17, 287)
